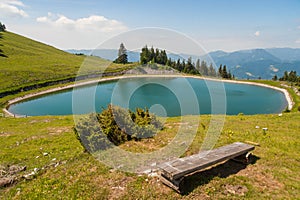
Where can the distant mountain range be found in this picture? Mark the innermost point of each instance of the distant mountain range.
(244, 64)
(255, 63)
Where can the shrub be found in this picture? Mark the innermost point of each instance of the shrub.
(115, 125)
(299, 108)
(89, 133)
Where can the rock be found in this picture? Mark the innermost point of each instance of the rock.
(29, 176)
(257, 127)
(154, 174)
(264, 129)
(14, 169)
(45, 154)
(6, 181)
(239, 190)
(148, 171)
(280, 114)
(118, 188)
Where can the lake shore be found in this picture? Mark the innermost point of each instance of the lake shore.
(96, 81)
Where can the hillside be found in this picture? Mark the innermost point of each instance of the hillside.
(255, 63)
(24, 62)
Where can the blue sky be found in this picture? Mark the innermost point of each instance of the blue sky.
(227, 25)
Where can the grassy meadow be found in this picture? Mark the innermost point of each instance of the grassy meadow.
(67, 171)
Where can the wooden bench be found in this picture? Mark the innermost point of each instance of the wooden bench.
(173, 172)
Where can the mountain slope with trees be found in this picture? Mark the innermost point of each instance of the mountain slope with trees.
(258, 63)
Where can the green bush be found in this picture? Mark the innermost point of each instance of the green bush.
(115, 125)
(89, 133)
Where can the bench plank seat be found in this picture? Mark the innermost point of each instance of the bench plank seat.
(172, 172)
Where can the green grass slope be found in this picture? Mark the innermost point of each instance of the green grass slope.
(24, 62)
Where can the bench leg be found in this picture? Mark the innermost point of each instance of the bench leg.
(174, 184)
(245, 158)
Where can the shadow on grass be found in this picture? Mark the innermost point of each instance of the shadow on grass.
(224, 170)
(1, 51)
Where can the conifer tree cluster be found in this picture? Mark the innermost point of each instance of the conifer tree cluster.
(224, 74)
(290, 76)
(160, 57)
(153, 56)
(204, 70)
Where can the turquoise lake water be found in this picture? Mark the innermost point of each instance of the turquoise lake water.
(163, 96)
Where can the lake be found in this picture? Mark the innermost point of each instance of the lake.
(163, 96)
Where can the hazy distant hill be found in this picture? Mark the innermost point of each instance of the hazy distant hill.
(255, 63)
(252, 64)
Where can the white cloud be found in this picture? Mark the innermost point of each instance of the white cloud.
(91, 23)
(13, 2)
(11, 8)
(297, 41)
(257, 33)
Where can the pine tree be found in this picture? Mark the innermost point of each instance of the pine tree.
(152, 54)
(275, 78)
(224, 73)
(229, 75)
(164, 57)
(203, 68)
(198, 65)
(292, 76)
(122, 55)
(157, 56)
(145, 55)
(211, 71)
(285, 76)
(2, 27)
(221, 71)
(122, 50)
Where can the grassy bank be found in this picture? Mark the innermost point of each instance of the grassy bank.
(69, 172)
